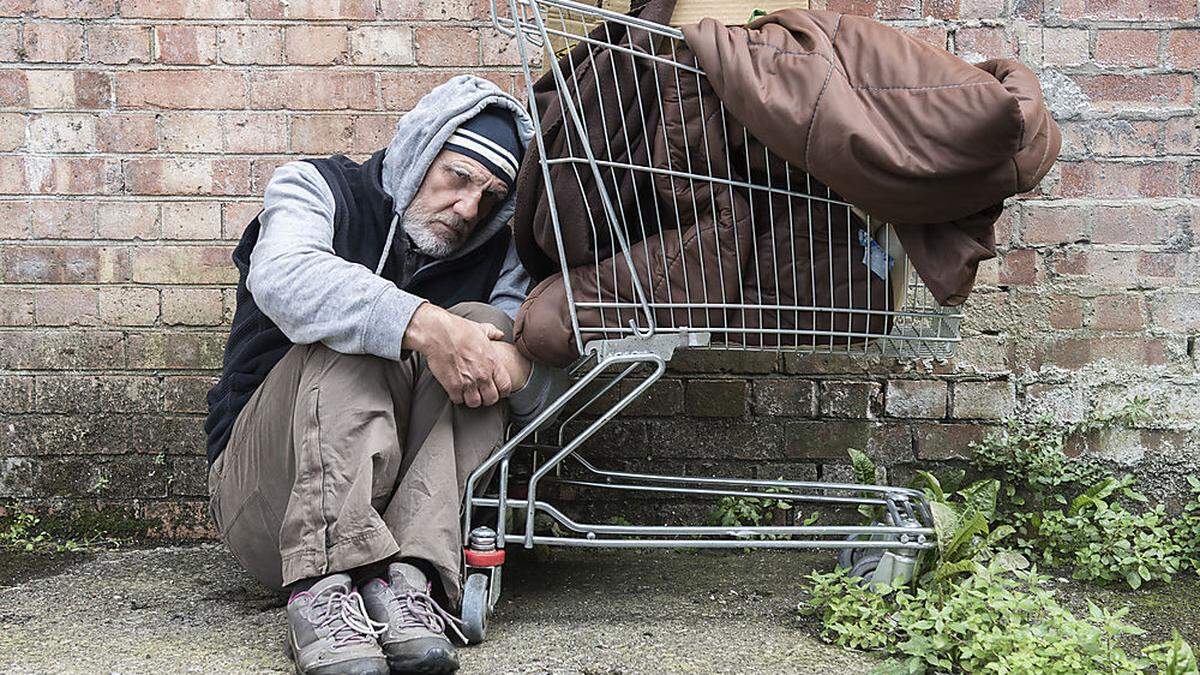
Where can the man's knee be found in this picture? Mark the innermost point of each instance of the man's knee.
(484, 313)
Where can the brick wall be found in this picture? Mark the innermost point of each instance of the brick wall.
(136, 137)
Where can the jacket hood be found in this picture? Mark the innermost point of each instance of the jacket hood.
(422, 131)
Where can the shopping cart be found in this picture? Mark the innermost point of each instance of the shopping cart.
(626, 333)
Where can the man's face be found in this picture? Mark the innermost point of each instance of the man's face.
(456, 192)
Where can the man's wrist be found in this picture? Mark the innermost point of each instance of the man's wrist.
(422, 327)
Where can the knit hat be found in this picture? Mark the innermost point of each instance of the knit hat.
(490, 137)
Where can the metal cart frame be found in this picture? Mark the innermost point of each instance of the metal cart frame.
(626, 359)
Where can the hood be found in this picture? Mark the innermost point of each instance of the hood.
(419, 137)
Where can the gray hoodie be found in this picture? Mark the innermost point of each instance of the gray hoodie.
(314, 295)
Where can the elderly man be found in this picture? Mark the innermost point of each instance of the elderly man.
(369, 370)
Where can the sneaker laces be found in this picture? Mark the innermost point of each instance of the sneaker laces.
(345, 617)
(417, 609)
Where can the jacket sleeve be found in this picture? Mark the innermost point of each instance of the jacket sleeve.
(311, 293)
(546, 383)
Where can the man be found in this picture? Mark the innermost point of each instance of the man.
(364, 377)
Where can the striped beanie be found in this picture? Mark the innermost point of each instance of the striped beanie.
(490, 138)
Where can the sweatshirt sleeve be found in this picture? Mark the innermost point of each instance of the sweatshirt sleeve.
(311, 293)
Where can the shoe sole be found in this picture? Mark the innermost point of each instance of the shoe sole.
(426, 665)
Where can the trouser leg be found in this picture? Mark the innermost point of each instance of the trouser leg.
(311, 462)
(443, 445)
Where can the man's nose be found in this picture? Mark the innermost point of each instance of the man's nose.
(467, 207)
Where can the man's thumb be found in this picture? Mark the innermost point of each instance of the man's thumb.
(494, 333)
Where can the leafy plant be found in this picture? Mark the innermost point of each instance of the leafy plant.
(24, 533)
(747, 511)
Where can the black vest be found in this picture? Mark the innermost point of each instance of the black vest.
(362, 216)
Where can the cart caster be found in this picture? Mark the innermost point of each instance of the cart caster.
(877, 566)
(475, 608)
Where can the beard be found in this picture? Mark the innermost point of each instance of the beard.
(420, 226)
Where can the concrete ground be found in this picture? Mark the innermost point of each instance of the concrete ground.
(191, 609)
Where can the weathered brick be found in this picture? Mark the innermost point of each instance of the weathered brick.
(128, 306)
(979, 44)
(458, 10)
(183, 9)
(1175, 311)
(51, 349)
(723, 361)
(1135, 92)
(191, 220)
(175, 176)
(14, 88)
(124, 394)
(663, 399)
(382, 45)
(183, 264)
(14, 220)
(16, 307)
(1129, 48)
(824, 439)
(13, 128)
(75, 9)
(63, 264)
(313, 90)
(186, 393)
(1128, 9)
(189, 476)
(1066, 312)
(62, 133)
(76, 89)
(16, 393)
(1118, 312)
(235, 216)
(1045, 224)
(716, 398)
(254, 132)
(185, 44)
(983, 400)
(940, 9)
(127, 220)
(180, 89)
(447, 46)
(65, 394)
(66, 306)
(250, 44)
(64, 435)
(63, 220)
(192, 306)
(1019, 267)
(947, 441)
(312, 9)
(724, 439)
(190, 132)
(916, 398)
(316, 45)
(783, 397)
(152, 351)
(123, 132)
(1183, 48)
(850, 399)
(119, 44)
(53, 42)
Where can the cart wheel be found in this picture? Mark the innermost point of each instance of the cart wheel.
(475, 608)
(864, 568)
(847, 557)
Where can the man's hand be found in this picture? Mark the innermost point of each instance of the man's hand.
(515, 363)
(461, 355)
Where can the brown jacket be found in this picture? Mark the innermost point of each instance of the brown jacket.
(906, 131)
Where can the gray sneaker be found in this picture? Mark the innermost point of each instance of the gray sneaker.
(329, 631)
(415, 640)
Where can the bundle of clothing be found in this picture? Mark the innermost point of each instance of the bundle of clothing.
(849, 109)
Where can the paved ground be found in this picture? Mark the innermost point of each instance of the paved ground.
(191, 609)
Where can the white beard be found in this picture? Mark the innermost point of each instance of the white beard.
(418, 225)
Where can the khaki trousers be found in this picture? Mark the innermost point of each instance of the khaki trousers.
(343, 460)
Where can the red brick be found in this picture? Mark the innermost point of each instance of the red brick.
(916, 398)
(183, 265)
(1118, 312)
(128, 306)
(158, 176)
(183, 9)
(402, 90)
(181, 89)
(63, 264)
(1128, 138)
(236, 215)
(14, 220)
(190, 132)
(152, 351)
(118, 44)
(382, 45)
(1162, 265)
(1065, 46)
(92, 89)
(458, 10)
(313, 90)
(981, 9)
(191, 220)
(447, 46)
(185, 44)
(340, 133)
(859, 7)
(121, 132)
(14, 89)
(185, 393)
(947, 441)
(316, 45)
(312, 9)
(1042, 224)
(191, 306)
(13, 172)
(894, 9)
(53, 42)
(1136, 223)
(1066, 312)
(232, 176)
(76, 9)
(979, 44)
(63, 219)
(1130, 48)
(1019, 267)
(66, 306)
(261, 45)
(1134, 92)
(10, 42)
(16, 307)
(940, 9)
(935, 36)
(1183, 48)
(254, 132)
(1179, 135)
(1129, 9)
(15, 7)
(127, 220)
(73, 175)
